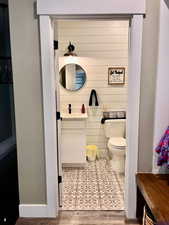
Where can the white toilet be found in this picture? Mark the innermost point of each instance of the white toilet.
(115, 132)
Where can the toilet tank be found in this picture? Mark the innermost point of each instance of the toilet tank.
(115, 128)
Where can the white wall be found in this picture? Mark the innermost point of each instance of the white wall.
(99, 45)
(62, 7)
(162, 87)
(148, 85)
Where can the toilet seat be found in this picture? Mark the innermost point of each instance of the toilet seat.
(117, 143)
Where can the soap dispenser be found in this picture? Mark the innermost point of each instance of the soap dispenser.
(83, 110)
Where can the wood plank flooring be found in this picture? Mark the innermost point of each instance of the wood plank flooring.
(80, 218)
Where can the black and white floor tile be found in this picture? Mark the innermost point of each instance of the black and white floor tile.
(95, 187)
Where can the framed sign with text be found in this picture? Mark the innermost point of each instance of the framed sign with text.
(116, 75)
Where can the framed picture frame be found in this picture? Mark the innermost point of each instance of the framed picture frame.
(116, 75)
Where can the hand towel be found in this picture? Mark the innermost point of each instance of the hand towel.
(93, 94)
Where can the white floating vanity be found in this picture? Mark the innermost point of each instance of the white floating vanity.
(73, 145)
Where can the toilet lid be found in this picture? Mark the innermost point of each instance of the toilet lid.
(118, 142)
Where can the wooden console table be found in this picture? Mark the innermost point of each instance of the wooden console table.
(153, 190)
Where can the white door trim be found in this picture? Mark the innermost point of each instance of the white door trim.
(49, 111)
(88, 7)
(135, 56)
(47, 60)
(33, 210)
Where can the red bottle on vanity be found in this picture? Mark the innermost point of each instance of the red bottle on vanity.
(83, 110)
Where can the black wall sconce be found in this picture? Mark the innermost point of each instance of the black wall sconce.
(70, 51)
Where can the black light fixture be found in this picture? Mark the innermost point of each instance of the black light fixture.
(70, 51)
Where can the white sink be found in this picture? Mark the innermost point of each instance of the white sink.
(71, 116)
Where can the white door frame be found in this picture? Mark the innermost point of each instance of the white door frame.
(49, 114)
(49, 107)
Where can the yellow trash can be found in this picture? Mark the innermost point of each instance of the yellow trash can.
(92, 152)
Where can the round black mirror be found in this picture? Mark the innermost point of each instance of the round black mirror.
(72, 77)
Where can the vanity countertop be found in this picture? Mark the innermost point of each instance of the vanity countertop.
(71, 116)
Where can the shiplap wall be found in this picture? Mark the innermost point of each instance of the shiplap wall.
(99, 45)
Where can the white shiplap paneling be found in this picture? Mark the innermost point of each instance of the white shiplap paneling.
(99, 45)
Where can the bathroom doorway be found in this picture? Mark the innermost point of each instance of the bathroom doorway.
(100, 59)
(49, 102)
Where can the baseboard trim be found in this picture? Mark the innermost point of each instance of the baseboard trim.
(33, 210)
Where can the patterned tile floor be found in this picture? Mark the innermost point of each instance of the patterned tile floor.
(95, 187)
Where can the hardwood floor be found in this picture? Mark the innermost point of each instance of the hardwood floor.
(80, 218)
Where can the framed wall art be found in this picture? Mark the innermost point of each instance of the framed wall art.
(116, 75)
